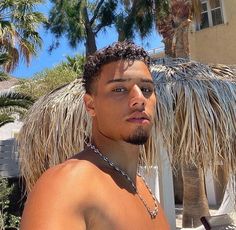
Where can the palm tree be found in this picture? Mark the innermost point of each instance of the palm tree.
(18, 31)
(173, 24)
(135, 16)
(80, 21)
(12, 104)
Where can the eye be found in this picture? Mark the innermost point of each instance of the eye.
(147, 90)
(119, 90)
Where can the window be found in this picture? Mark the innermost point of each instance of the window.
(216, 13)
(204, 16)
(211, 14)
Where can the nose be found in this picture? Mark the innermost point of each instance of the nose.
(137, 99)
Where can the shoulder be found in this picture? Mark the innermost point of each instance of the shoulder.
(68, 176)
(61, 197)
(78, 176)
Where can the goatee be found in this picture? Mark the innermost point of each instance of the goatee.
(140, 137)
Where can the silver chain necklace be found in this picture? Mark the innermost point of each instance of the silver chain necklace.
(153, 213)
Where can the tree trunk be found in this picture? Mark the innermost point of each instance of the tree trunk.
(169, 47)
(178, 185)
(165, 28)
(121, 35)
(90, 43)
(181, 40)
(195, 203)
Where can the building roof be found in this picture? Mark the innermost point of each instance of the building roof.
(5, 85)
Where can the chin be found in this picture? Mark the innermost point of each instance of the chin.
(139, 137)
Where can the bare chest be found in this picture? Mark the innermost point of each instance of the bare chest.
(119, 213)
(119, 207)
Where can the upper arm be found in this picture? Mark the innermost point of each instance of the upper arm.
(56, 202)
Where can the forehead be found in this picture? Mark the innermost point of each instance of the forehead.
(125, 69)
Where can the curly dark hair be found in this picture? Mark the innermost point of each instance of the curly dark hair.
(125, 50)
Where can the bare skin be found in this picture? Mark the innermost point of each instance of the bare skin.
(85, 192)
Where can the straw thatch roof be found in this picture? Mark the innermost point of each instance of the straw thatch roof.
(197, 112)
(52, 124)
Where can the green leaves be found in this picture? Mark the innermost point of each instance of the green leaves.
(7, 220)
(144, 17)
(12, 104)
(9, 99)
(50, 79)
(106, 15)
(18, 31)
(162, 8)
(65, 18)
(75, 63)
(5, 118)
(3, 76)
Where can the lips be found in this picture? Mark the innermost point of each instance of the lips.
(138, 117)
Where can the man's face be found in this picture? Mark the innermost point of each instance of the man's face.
(123, 102)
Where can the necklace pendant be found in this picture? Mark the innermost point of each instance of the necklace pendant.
(153, 214)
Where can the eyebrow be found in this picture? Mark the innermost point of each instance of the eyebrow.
(129, 79)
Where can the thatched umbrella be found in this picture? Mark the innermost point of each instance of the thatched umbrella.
(197, 112)
(196, 119)
(52, 131)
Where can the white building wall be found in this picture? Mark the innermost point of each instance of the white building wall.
(9, 130)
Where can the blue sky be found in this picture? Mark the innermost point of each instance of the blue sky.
(46, 60)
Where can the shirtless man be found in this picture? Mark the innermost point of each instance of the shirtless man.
(99, 188)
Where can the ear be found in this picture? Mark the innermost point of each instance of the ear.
(89, 104)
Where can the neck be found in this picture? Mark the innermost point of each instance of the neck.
(121, 153)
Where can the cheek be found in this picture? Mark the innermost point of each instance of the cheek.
(107, 105)
(105, 112)
(109, 117)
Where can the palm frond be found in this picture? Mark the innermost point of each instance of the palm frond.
(5, 118)
(12, 104)
(13, 110)
(18, 31)
(10, 98)
(12, 59)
